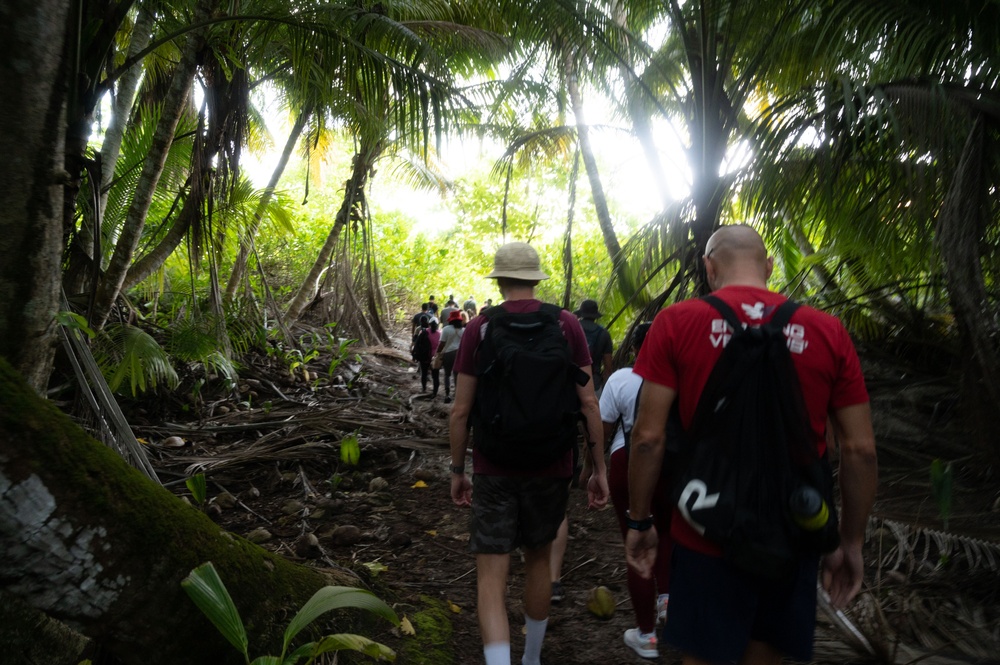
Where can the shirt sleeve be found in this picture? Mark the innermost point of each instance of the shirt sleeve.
(655, 361)
(576, 338)
(465, 361)
(849, 387)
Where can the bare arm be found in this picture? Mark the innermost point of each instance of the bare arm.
(458, 437)
(645, 460)
(597, 486)
(606, 361)
(843, 570)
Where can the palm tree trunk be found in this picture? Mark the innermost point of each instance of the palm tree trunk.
(960, 232)
(173, 107)
(151, 261)
(239, 267)
(89, 540)
(590, 164)
(354, 195)
(33, 71)
(82, 253)
(639, 116)
(568, 245)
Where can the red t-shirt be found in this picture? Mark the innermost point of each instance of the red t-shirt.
(465, 363)
(687, 339)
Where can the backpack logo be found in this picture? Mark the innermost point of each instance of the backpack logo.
(702, 500)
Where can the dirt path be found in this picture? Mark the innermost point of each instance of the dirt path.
(275, 475)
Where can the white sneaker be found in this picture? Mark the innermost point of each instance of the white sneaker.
(644, 645)
(661, 607)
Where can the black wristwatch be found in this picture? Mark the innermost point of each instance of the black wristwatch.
(638, 525)
(458, 470)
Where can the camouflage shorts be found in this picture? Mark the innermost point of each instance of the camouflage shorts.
(512, 512)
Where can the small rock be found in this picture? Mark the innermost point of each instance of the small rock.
(259, 535)
(331, 505)
(292, 506)
(173, 442)
(425, 475)
(214, 511)
(244, 387)
(378, 484)
(400, 540)
(317, 514)
(222, 410)
(289, 476)
(307, 546)
(253, 493)
(226, 501)
(346, 534)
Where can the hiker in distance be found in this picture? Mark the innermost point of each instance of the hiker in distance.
(720, 612)
(524, 414)
(598, 341)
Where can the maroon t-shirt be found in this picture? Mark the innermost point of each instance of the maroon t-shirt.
(465, 363)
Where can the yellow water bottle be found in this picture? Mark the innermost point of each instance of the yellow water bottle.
(808, 508)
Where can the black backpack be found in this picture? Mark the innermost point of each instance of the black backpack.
(422, 345)
(526, 408)
(753, 482)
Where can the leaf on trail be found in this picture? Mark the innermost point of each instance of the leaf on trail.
(432, 532)
(406, 627)
(375, 567)
(143, 441)
(419, 484)
(454, 608)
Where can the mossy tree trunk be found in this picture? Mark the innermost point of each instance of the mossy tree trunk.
(90, 541)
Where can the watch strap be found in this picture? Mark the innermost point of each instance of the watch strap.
(638, 525)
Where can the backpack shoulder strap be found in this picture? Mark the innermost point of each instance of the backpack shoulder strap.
(783, 314)
(726, 311)
(552, 310)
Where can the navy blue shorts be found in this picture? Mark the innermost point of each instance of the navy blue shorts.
(716, 610)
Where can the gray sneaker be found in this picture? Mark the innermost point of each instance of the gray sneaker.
(644, 645)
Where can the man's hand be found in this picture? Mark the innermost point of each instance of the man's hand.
(640, 551)
(843, 572)
(461, 489)
(597, 490)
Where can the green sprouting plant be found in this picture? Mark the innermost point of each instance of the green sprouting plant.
(198, 487)
(340, 354)
(941, 489)
(208, 592)
(350, 450)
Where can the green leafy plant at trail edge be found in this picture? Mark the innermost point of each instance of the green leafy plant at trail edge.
(198, 487)
(208, 592)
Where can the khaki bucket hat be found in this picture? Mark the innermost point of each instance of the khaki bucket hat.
(517, 260)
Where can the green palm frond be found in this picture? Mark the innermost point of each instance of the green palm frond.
(129, 356)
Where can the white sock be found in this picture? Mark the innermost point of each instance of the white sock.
(497, 653)
(534, 635)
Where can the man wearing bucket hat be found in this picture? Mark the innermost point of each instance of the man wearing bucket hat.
(518, 505)
(598, 341)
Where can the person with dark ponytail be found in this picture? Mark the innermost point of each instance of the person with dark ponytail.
(649, 596)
